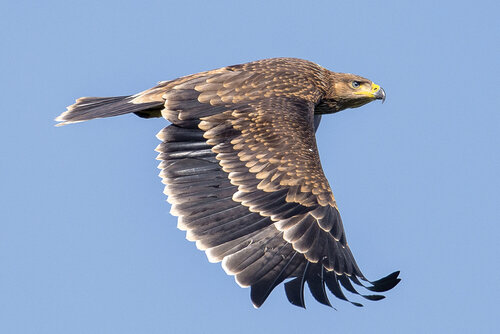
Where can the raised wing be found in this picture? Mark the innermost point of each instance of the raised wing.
(242, 172)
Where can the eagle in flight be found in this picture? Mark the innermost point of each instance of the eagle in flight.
(242, 171)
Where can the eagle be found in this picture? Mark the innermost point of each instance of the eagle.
(243, 175)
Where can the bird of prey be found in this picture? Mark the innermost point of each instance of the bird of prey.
(242, 171)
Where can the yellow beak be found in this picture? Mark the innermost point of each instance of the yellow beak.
(376, 92)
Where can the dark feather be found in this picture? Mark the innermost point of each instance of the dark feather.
(333, 285)
(261, 290)
(316, 284)
(295, 289)
(346, 283)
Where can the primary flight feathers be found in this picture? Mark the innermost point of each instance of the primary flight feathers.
(242, 171)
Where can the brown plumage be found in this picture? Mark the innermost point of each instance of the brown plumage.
(242, 171)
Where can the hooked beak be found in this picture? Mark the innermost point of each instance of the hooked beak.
(378, 92)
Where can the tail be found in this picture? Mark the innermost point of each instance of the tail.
(87, 108)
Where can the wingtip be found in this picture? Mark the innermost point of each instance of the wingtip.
(386, 283)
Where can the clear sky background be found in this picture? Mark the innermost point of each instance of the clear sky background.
(87, 244)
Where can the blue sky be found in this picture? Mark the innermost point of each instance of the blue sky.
(87, 244)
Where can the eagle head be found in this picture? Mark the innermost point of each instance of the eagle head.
(353, 91)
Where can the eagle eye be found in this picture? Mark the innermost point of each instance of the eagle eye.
(355, 84)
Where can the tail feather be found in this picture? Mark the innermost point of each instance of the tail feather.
(87, 108)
